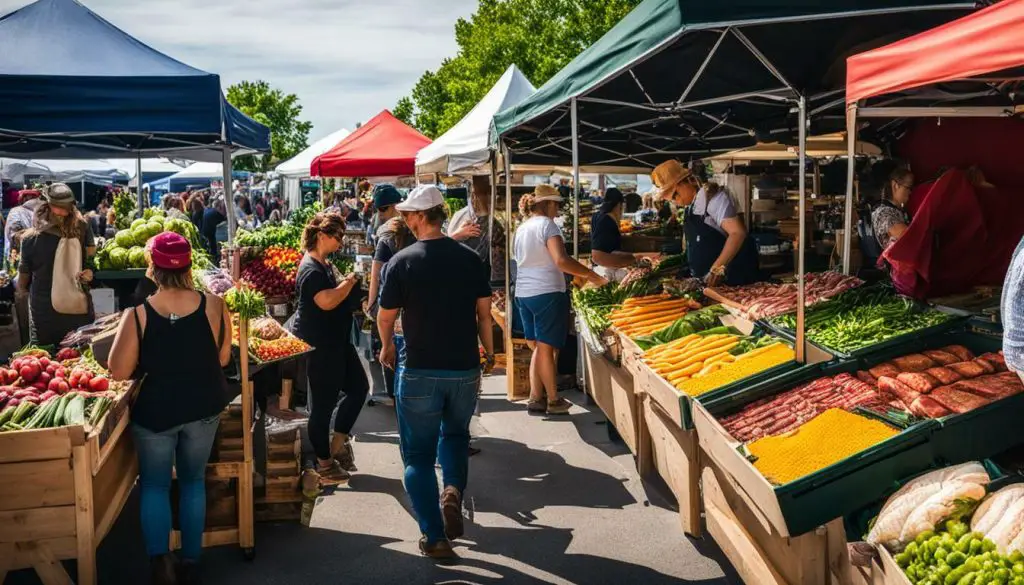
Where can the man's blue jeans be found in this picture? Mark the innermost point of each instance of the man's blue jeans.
(186, 449)
(432, 403)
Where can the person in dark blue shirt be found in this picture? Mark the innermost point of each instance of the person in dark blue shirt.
(212, 217)
(606, 240)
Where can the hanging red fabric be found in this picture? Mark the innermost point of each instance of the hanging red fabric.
(383, 147)
(987, 41)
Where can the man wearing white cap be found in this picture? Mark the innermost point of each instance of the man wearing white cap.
(444, 293)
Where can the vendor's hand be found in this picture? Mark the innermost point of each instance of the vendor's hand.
(387, 356)
(597, 280)
(85, 276)
(467, 231)
(712, 279)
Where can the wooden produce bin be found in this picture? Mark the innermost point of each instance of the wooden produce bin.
(611, 387)
(885, 571)
(60, 492)
(756, 550)
(674, 454)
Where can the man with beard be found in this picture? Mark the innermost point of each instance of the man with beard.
(53, 269)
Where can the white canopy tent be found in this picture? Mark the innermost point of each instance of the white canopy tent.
(97, 171)
(149, 165)
(465, 147)
(293, 170)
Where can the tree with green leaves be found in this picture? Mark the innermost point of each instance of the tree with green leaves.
(276, 110)
(539, 36)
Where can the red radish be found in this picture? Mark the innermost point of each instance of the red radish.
(50, 369)
(62, 373)
(24, 393)
(29, 371)
(99, 384)
(10, 376)
(13, 402)
(58, 385)
(44, 378)
(39, 386)
(44, 361)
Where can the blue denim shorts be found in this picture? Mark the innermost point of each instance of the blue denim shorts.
(545, 318)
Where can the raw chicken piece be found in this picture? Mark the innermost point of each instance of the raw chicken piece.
(991, 511)
(897, 509)
(1008, 528)
(971, 471)
(939, 507)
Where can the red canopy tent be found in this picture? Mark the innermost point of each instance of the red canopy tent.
(963, 231)
(383, 147)
(987, 41)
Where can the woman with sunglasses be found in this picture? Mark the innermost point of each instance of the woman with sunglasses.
(323, 319)
(717, 246)
(890, 219)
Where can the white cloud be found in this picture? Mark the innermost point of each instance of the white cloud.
(345, 59)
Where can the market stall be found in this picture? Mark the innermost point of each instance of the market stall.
(293, 170)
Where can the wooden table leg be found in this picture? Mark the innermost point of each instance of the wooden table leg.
(49, 569)
(285, 401)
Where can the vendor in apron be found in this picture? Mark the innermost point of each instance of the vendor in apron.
(606, 240)
(717, 246)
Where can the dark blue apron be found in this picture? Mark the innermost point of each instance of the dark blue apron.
(704, 244)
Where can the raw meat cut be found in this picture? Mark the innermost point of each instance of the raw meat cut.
(925, 407)
(942, 357)
(920, 381)
(956, 400)
(996, 359)
(986, 365)
(959, 351)
(944, 375)
(967, 369)
(886, 369)
(914, 362)
(894, 387)
(866, 377)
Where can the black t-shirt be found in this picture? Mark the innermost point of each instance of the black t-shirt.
(385, 250)
(211, 219)
(312, 324)
(436, 284)
(604, 234)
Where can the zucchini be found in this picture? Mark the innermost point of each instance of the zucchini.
(99, 409)
(74, 414)
(42, 416)
(23, 412)
(62, 407)
(6, 414)
(51, 413)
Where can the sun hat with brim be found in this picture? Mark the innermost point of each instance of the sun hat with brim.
(422, 198)
(546, 192)
(667, 175)
(170, 251)
(60, 195)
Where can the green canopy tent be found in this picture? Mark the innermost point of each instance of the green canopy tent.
(685, 79)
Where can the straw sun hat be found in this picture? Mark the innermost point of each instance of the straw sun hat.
(545, 192)
(667, 175)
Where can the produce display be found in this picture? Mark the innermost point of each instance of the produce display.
(945, 529)
(862, 317)
(702, 362)
(688, 324)
(454, 204)
(287, 235)
(127, 248)
(268, 341)
(124, 208)
(763, 300)
(900, 390)
(216, 281)
(43, 391)
(274, 273)
(646, 315)
(84, 335)
(822, 441)
(593, 304)
(245, 302)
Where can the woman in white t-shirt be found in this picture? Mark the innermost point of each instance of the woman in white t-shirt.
(541, 265)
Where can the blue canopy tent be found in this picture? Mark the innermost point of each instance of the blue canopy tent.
(72, 85)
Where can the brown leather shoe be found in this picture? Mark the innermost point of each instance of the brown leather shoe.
(539, 406)
(451, 512)
(440, 551)
(347, 458)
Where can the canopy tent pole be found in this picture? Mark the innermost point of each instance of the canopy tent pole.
(575, 180)
(493, 207)
(509, 302)
(138, 182)
(83, 193)
(801, 293)
(851, 144)
(229, 200)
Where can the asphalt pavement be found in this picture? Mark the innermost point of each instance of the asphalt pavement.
(550, 500)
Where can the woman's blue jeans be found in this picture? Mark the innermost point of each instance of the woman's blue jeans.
(186, 449)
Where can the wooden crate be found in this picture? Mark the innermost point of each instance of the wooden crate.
(759, 553)
(281, 498)
(60, 492)
(674, 454)
(518, 369)
(612, 388)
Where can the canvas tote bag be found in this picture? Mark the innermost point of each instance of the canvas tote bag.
(67, 295)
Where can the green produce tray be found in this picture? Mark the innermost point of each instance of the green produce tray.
(847, 485)
(127, 274)
(893, 342)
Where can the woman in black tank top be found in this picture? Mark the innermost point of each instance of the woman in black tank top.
(177, 343)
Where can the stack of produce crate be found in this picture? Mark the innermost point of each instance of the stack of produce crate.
(282, 496)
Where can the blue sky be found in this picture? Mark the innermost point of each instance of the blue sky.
(345, 59)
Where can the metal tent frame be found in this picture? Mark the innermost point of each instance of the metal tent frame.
(694, 123)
